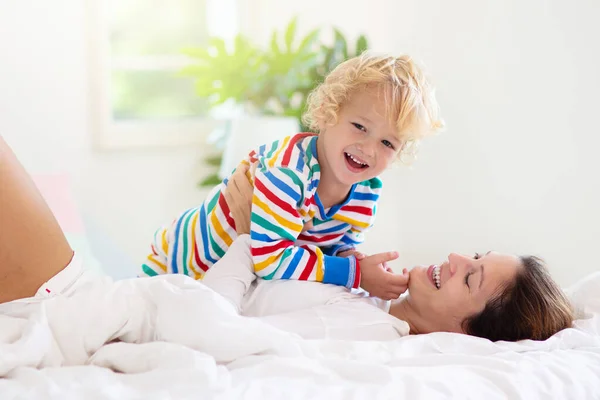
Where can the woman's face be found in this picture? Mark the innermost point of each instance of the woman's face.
(466, 284)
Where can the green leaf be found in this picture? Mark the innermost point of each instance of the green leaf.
(218, 44)
(274, 45)
(293, 112)
(361, 45)
(214, 160)
(211, 180)
(308, 42)
(340, 43)
(328, 56)
(289, 34)
(240, 45)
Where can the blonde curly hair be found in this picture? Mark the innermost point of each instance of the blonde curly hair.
(409, 96)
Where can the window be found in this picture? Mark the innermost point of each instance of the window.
(137, 96)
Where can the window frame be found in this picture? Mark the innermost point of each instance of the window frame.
(108, 133)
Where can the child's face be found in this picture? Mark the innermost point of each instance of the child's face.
(363, 142)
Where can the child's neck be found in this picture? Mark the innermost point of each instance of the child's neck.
(331, 192)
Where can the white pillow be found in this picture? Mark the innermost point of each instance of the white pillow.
(585, 295)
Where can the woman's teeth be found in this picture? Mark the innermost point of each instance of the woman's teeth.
(436, 276)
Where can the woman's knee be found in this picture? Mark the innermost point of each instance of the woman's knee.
(33, 247)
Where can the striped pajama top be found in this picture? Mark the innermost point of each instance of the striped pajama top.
(285, 198)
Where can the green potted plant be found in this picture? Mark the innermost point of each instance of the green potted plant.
(261, 93)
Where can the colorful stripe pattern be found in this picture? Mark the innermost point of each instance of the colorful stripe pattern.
(285, 198)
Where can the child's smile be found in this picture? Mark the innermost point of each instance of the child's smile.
(355, 163)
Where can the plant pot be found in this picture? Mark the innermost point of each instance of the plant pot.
(247, 133)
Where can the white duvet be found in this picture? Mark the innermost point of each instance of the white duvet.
(172, 337)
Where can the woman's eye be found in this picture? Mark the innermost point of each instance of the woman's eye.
(387, 143)
(477, 256)
(467, 279)
(359, 127)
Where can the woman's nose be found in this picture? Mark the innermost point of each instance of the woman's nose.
(454, 257)
(456, 261)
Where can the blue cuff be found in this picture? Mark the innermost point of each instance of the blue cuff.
(340, 271)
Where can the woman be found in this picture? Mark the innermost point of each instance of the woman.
(494, 296)
(499, 297)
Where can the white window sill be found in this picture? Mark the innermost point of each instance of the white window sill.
(140, 134)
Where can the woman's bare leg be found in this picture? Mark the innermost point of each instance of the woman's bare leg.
(33, 248)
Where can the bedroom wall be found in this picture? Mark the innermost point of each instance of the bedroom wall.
(516, 170)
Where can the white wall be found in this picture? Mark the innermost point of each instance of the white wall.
(515, 171)
(44, 117)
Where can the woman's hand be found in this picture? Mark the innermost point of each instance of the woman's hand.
(238, 196)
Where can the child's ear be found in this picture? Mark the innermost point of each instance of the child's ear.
(322, 125)
(325, 122)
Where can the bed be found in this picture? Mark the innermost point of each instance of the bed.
(208, 352)
(67, 350)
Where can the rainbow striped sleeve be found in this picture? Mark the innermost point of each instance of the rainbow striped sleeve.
(275, 226)
(156, 262)
(352, 238)
(174, 248)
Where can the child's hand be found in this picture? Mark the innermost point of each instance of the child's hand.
(352, 252)
(379, 280)
(361, 256)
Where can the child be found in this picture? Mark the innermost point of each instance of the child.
(316, 194)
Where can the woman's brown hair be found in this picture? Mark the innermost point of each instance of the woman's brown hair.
(533, 306)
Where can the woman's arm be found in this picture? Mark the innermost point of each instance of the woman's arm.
(33, 247)
(239, 199)
(238, 196)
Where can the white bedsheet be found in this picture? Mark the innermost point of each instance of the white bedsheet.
(62, 349)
